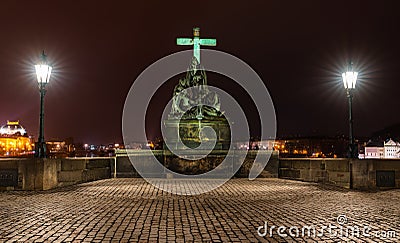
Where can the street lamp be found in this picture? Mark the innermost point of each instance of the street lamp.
(349, 81)
(43, 71)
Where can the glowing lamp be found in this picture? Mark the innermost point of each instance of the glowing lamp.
(349, 79)
(43, 70)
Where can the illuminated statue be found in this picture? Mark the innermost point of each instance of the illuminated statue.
(195, 76)
(184, 98)
(195, 106)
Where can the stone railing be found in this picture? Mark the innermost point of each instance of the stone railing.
(45, 174)
(366, 174)
(124, 159)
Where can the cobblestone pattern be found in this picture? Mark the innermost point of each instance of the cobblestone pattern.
(122, 210)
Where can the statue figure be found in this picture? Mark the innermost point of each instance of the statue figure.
(183, 98)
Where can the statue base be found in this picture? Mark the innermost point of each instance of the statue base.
(188, 130)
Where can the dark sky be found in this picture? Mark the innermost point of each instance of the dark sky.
(299, 49)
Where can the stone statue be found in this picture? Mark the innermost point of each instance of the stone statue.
(195, 106)
(183, 98)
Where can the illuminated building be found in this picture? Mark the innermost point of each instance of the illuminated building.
(392, 149)
(374, 151)
(381, 150)
(14, 140)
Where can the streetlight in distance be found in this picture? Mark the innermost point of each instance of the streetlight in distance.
(349, 81)
(43, 71)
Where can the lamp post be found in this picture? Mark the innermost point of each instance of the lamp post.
(43, 71)
(349, 81)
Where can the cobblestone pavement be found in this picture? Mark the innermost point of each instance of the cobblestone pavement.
(133, 210)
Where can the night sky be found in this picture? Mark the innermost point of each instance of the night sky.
(299, 49)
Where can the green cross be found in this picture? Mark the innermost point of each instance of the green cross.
(196, 42)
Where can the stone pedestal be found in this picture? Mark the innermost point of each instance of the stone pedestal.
(188, 131)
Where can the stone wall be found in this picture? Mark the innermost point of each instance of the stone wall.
(28, 174)
(126, 169)
(45, 174)
(367, 174)
(78, 170)
(270, 170)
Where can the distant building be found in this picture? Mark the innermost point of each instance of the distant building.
(381, 150)
(14, 140)
(311, 147)
(392, 149)
(300, 147)
(255, 145)
(59, 149)
(12, 128)
(373, 150)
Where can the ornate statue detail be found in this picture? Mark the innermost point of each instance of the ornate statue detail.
(187, 94)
